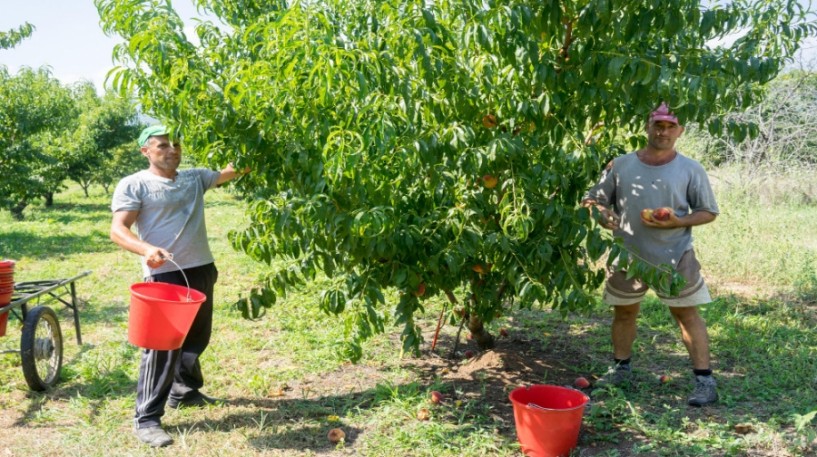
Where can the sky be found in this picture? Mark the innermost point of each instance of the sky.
(69, 39)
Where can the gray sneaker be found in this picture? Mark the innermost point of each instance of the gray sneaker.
(153, 436)
(705, 392)
(619, 376)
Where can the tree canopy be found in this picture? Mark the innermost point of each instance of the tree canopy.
(13, 37)
(32, 104)
(50, 132)
(438, 147)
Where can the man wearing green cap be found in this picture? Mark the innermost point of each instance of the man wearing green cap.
(166, 206)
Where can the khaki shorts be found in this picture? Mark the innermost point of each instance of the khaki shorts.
(620, 291)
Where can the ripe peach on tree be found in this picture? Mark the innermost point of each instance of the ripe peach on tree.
(357, 120)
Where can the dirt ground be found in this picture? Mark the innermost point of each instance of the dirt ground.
(489, 376)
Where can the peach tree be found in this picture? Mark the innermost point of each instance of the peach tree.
(34, 106)
(437, 147)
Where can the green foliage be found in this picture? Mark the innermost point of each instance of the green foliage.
(370, 126)
(103, 147)
(805, 283)
(50, 132)
(12, 38)
(33, 107)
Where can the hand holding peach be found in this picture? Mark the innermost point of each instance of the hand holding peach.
(656, 217)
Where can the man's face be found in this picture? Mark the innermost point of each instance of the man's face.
(662, 135)
(161, 153)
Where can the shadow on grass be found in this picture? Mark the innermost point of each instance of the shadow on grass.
(18, 244)
(99, 388)
(302, 425)
(476, 399)
(72, 213)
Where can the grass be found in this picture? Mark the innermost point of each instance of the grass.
(287, 385)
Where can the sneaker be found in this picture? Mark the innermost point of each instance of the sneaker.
(705, 392)
(197, 400)
(153, 436)
(619, 376)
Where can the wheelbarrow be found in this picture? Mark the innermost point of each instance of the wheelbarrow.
(41, 340)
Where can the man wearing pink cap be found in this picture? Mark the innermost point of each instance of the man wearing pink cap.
(657, 176)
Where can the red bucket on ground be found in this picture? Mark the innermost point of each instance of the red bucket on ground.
(548, 419)
(161, 314)
(4, 318)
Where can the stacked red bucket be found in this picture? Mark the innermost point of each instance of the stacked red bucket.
(6, 290)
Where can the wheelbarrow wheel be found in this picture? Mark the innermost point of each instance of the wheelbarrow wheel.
(41, 348)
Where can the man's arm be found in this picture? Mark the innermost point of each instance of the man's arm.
(690, 220)
(229, 173)
(122, 235)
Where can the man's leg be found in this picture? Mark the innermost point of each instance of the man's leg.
(696, 339)
(625, 296)
(684, 309)
(624, 330)
(152, 388)
(694, 335)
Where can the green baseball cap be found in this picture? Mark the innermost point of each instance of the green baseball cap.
(153, 130)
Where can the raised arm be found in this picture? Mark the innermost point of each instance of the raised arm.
(229, 173)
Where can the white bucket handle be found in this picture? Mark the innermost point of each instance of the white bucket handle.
(170, 259)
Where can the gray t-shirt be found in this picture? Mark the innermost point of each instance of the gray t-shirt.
(630, 185)
(171, 214)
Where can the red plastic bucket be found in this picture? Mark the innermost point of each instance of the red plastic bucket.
(4, 318)
(161, 314)
(548, 419)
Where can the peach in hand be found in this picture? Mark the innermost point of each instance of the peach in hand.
(662, 214)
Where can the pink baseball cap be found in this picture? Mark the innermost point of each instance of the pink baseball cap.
(662, 113)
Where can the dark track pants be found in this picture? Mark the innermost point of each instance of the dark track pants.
(177, 373)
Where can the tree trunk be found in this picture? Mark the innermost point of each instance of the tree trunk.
(17, 210)
(483, 339)
(49, 199)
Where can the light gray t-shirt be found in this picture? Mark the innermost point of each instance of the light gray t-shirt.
(171, 214)
(630, 186)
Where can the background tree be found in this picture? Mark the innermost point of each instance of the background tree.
(437, 147)
(105, 132)
(117, 126)
(785, 124)
(33, 107)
